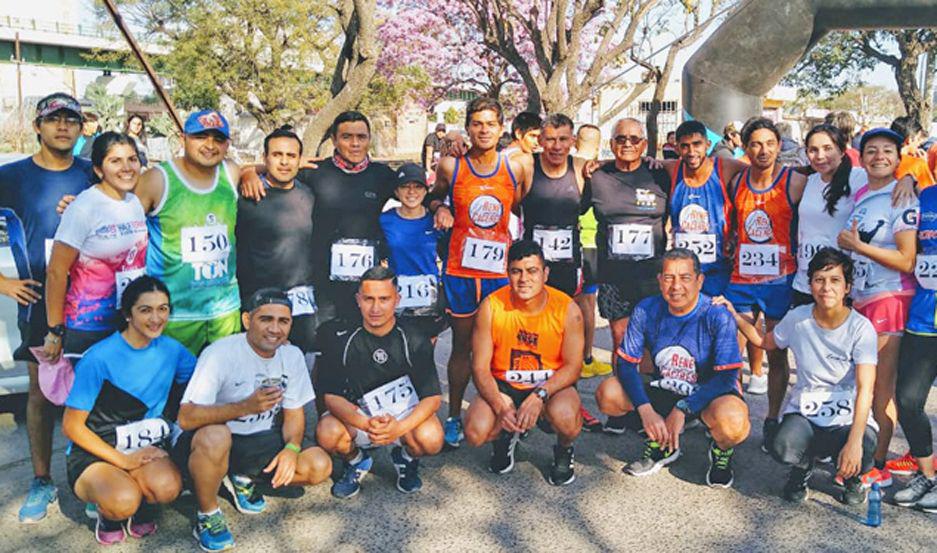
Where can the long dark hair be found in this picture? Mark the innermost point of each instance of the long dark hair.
(102, 146)
(139, 286)
(839, 184)
(142, 136)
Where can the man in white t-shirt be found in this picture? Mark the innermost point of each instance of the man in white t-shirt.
(243, 416)
(828, 411)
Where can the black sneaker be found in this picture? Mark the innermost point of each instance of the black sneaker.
(615, 425)
(652, 460)
(720, 467)
(562, 471)
(768, 431)
(795, 490)
(853, 492)
(502, 453)
(589, 423)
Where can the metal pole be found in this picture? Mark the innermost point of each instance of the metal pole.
(141, 57)
(19, 88)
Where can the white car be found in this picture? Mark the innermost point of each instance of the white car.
(14, 376)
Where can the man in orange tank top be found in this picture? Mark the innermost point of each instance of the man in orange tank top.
(527, 345)
(483, 187)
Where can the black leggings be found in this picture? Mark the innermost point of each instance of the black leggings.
(799, 441)
(917, 370)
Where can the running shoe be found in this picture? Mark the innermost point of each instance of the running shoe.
(853, 492)
(917, 488)
(408, 477)
(652, 460)
(143, 522)
(349, 484)
(720, 467)
(615, 425)
(91, 511)
(768, 431)
(905, 465)
(452, 432)
(928, 503)
(757, 385)
(108, 532)
(882, 476)
(244, 494)
(595, 368)
(42, 493)
(589, 423)
(212, 533)
(796, 490)
(561, 473)
(502, 453)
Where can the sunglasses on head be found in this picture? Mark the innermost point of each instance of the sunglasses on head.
(623, 139)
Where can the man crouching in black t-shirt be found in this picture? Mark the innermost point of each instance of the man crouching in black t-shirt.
(380, 387)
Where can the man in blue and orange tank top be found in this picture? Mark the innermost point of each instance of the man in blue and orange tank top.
(527, 356)
(765, 196)
(483, 187)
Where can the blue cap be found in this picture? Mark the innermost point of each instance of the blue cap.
(880, 131)
(410, 172)
(206, 120)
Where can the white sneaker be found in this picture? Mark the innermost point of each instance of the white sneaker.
(758, 385)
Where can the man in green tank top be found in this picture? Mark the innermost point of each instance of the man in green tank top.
(191, 207)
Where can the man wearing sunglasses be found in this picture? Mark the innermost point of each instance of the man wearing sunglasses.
(630, 201)
(29, 191)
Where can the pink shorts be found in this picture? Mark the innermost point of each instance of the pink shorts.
(888, 314)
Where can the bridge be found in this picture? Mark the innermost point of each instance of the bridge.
(59, 44)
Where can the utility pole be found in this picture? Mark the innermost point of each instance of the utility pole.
(19, 89)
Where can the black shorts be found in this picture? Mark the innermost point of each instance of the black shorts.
(336, 301)
(662, 401)
(517, 396)
(32, 332)
(565, 277)
(427, 325)
(77, 460)
(249, 455)
(590, 266)
(303, 332)
(617, 301)
(77, 342)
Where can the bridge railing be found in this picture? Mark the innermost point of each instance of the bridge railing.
(60, 27)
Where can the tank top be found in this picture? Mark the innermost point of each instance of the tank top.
(700, 215)
(551, 214)
(527, 348)
(922, 318)
(764, 227)
(192, 245)
(478, 246)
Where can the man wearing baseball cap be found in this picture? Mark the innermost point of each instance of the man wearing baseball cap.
(431, 146)
(29, 191)
(191, 207)
(242, 416)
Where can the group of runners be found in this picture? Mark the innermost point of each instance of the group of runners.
(205, 305)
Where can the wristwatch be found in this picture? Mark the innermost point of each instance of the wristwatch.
(683, 406)
(58, 330)
(542, 394)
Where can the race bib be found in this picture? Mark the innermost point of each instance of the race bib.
(48, 243)
(528, 378)
(806, 250)
(350, 259)
(484, 255)
(396, 398)
(417, 291)
(557, 244)
(679, 387)
(703, 245)
(304, 300)
(137, 435)
(828, 407)
(760, 259)
(634, 240)
(123, 279)
(206, 244)
(925, 270)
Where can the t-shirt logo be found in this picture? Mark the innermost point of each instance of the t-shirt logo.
(527, 338)
(758, 226)
(525, 361)
(211, 121)
(211, 219)
(379, 356)
(694, 219)
(645, 198)
(485, 211)
(677, 363)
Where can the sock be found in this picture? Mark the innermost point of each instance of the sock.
(210, 513)
(879, 464)
(241, 480)
(587, 360)
(359, 456)
(146, 513)
(110, 525)
(44, 479)
(406, 455)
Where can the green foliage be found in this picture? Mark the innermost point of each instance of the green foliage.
(109, 108)
(453, 116)
(832, 66)
(410, 82)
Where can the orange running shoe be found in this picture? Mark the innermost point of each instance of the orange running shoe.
(904, 465)
(882, 476)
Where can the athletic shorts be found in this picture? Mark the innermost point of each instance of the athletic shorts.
(303, 332)
(336, 301)
(195, 335)
(77, 342)
(618, 301)
(716, 282)
(77, 460)
(799, 298)
(517, 396)
(590, 267)
(430, 326)
(888, 314)
(663, 401)
(32, 332)
(771, 299)
(566, 278)
(360, 437)
(464, 294)
(249, 456)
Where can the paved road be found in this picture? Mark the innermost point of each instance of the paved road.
(463, 507)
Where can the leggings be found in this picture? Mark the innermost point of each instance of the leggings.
(799, 441)
(917, 370)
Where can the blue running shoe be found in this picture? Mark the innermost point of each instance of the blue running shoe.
(212, 532)
(91, 511)
(246, 498)
(453, 434)
(350, 483)
(408, 478)
(42, 492)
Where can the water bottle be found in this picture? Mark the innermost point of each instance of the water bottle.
(874, 516)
